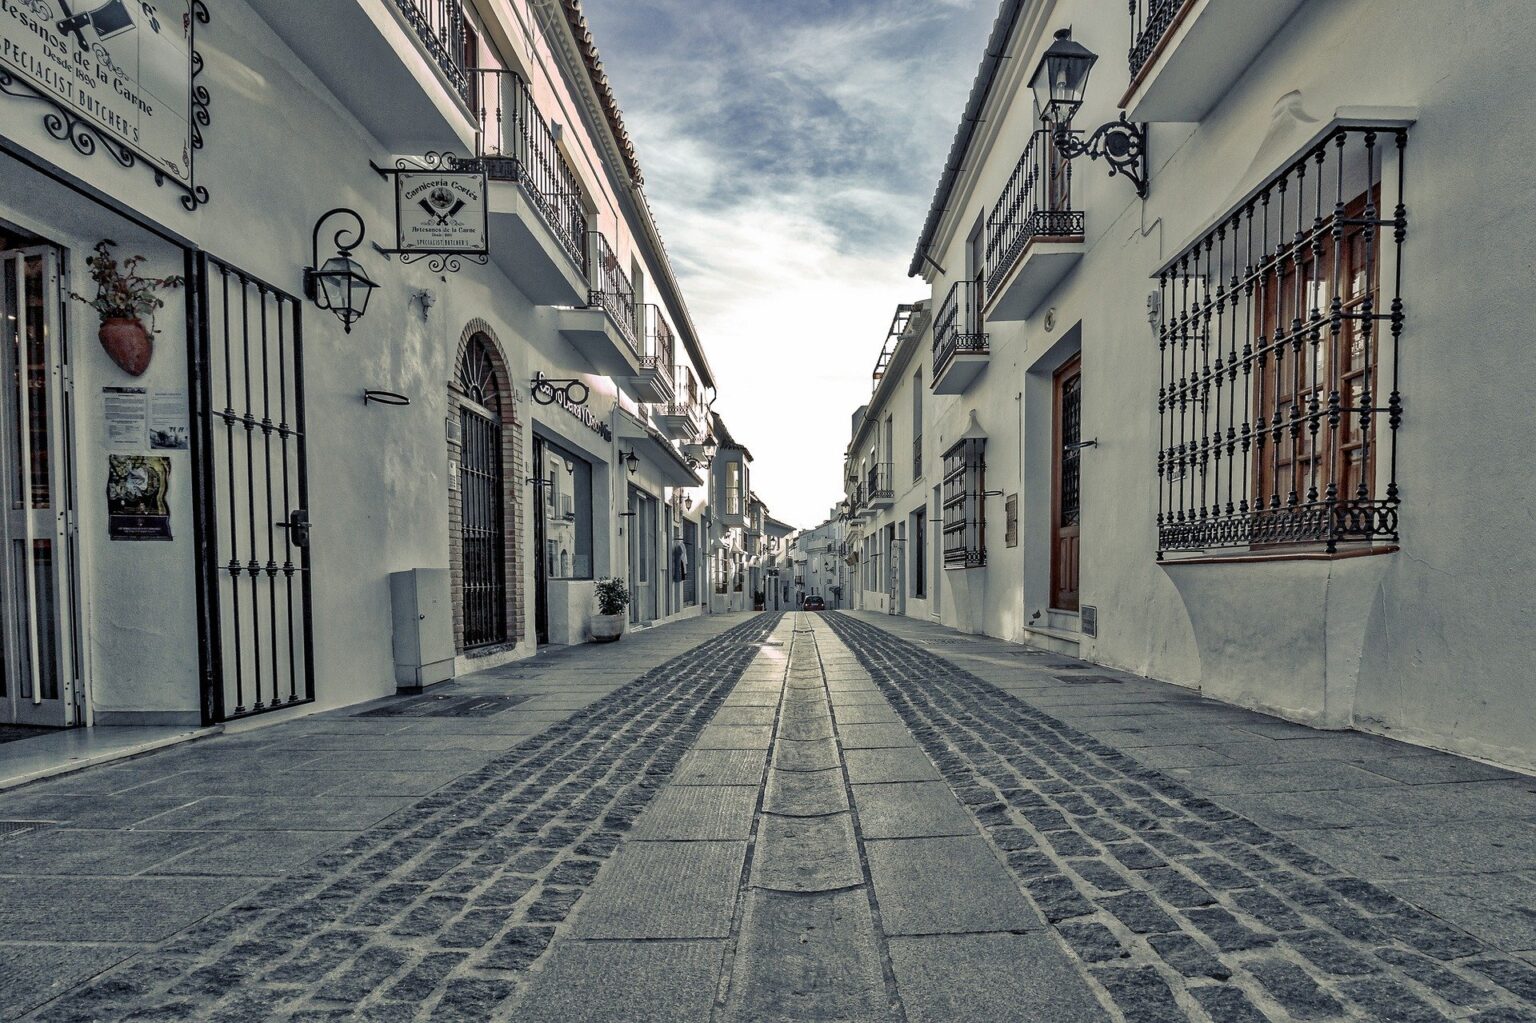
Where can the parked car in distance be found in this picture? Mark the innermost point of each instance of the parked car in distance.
(813, 602)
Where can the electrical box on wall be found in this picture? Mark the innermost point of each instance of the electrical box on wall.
(423, 627)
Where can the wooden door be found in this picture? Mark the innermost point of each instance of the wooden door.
(1066, 492)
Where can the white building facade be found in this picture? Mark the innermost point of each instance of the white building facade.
(258, 520)
(1198, 418)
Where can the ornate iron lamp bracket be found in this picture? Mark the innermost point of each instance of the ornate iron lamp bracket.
(1119, 143)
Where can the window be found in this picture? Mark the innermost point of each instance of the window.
(919, 546)
(917, 425)
(733, 488)
(964, 526)
(567, 512)
(1011, 521)
(1275, 340)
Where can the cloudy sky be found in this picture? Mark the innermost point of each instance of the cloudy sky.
(790, 152)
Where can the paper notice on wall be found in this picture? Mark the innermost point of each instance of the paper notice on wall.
(125, 415)
(168, 420)
(138, 504)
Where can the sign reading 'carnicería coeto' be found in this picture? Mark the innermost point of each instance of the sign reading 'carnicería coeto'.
(123, 68)
(440, 211)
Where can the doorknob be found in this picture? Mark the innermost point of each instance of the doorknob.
(298, 527)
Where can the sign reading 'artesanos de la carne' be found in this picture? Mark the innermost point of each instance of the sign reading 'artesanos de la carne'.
(441, 211)
(121, 67)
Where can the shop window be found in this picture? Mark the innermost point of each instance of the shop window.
(567, 514)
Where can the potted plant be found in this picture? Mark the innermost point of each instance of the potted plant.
(612, 599)
(123, 299)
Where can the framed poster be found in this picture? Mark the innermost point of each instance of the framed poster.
(120, 74)
(138, 488)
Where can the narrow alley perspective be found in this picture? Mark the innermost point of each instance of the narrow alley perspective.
(714, 511)
(777, 817)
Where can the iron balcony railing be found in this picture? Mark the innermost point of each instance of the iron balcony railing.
(1151, 21)
(439, 24)
(1036, 203)
(609, 288)
(516, 144)
(1278, 399)
(878, 481)
(660, 352)
(957, 328)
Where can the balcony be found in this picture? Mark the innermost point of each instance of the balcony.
(658, 356)
(682, 418)
(538, 220)
(397, 65)
(879, 488)
(960, 350)
(1034, 236)
(604, 329)
(1186, 54)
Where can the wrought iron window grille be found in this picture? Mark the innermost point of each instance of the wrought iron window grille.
(1279, 398)
(964, 511)
(958, 327)
(1036, 203)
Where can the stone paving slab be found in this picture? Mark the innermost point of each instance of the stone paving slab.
(698, 812)
(872, 766)
(945, 886)
(99, 909)
(625, 982)
(812, 755)
(32, 973)
(1471, 847)
(276, 813)
(911, 810)
(805, 793)
(665, 890)
(874, 736)
(734, 737)
(721, 767)
(808, 958)
(999, 978)
(1498, 908)
(806, 854)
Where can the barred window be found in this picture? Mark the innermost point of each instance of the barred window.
(964, 519)
(1276, 345)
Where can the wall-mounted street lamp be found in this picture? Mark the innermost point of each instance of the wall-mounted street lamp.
(631, 462)
(341, 285)
(1059, 82)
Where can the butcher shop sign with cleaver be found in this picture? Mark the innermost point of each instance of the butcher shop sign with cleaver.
(441, 211)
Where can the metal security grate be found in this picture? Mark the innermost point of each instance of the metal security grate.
(13, 829)
(447, 705)
(252, 521)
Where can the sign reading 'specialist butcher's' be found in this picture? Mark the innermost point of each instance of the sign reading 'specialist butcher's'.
(120, 76)
(441, 211)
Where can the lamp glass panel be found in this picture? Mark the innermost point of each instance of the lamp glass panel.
(335, 282)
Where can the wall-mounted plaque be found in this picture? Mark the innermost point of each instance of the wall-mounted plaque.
(441, 211)
(120, 75)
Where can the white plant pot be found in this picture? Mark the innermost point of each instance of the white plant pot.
(608, 628)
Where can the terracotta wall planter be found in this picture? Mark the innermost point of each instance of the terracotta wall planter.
(128, 343)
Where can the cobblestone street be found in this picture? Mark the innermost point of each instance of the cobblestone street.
(796, 817)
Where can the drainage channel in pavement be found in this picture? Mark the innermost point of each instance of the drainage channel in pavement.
(827, 874)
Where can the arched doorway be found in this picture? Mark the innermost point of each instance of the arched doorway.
(482, 502)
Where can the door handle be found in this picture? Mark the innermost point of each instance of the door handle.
(298, 527)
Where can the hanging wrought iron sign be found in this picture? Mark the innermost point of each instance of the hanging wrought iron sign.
(551, 391)
(440, 211)
(120, 75)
